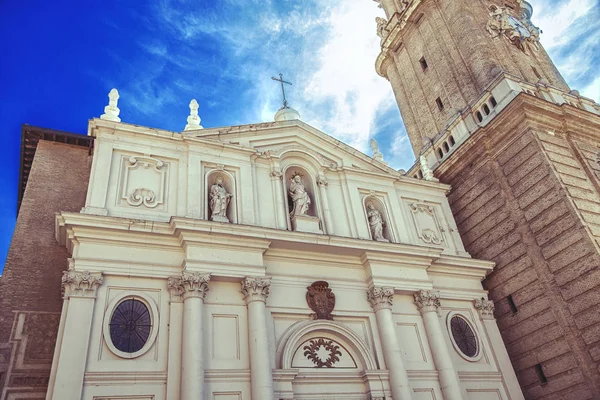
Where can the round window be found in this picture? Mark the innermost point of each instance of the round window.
(464, 337)
(130, 326)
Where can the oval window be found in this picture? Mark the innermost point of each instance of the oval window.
(464, 337)
(130, 326)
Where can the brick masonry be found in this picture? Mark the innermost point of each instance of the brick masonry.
(526, 194)
(30, 299)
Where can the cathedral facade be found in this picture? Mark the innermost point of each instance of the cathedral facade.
(487, 111)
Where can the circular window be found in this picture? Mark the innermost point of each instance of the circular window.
(130, 327)
(463, 337)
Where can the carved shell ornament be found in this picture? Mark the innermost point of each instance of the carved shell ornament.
(322, 353)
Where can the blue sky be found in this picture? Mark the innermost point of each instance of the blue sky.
(60, 59)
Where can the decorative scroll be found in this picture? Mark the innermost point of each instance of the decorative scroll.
(316, 350)
(485, 308)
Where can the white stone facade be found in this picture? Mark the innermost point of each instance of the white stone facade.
(227, 305)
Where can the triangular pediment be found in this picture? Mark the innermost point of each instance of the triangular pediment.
(280, 138)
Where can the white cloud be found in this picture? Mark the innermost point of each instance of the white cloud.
(556, 21)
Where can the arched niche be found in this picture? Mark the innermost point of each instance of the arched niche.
(229, 184)
(382, 209)
(308, 344)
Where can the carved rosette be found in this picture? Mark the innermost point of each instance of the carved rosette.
(380, 298)
(256, 289)
(428, 301)
(195, 284)
(176, 289)
(80, 283)
(485, 308)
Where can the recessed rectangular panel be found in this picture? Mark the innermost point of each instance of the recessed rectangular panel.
(424, 394)
(227, 396)
(491, 394)
(410, 342)
(226, 337)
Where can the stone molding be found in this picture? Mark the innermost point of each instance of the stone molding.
(484, 307)
(428, 301)
(256, 289)
(380, 298)
(192, 284)
(80, 283)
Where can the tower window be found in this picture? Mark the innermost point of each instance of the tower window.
(511, 304)
(540, 373)
(486, 109)
(440, 153)
(439, 103)
(493, 101)
(479, 116)
(423, 63)
(446, 147)
(452, 141)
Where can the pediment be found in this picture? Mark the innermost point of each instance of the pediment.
(285, 138)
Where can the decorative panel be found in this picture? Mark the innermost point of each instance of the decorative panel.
(322, 353)
(144, 182)
(427, 224)
(226, 337)
(227, 396)
(410, 342)
(483, 394)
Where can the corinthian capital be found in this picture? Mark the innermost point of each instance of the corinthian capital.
(485, 308)
(176, 289)
(380, 297)
(195, 284)
(256, 289)
(80, 283)
(427, 301)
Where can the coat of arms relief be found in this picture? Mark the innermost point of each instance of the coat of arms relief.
(519, 30)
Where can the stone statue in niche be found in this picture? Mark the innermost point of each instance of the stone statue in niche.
(219, 200)
(321, 300)
(299, 195)
(376, 223)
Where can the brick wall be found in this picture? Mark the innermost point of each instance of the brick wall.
(524, 198)
(30, 301)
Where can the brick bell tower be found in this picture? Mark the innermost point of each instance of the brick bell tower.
(487, 111)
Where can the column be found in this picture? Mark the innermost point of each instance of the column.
(176, 290)
(195, 287)
(326, 210)
(428, 303)
(280, 212)
(381, 301)
(80, 291)
(255, 292)
(485, 308)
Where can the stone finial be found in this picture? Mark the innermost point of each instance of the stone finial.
(380, 297)
(111, 111)
(427, 301)
(427, 172)
(256, 289)
(193, 120)
(485, 308)
(375, 149)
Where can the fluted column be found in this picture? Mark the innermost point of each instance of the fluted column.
(326, 210)
(176, 290)
(381, 301)
(194, 287)
(80, 292)
(428, 303)
(485, 309)
(255, 292)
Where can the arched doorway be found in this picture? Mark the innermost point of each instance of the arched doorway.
(326, 360)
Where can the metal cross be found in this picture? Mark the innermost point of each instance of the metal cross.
(285, 103)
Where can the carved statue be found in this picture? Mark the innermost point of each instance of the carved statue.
(375, 149)
(219, 200)
(376, 223)
(382, 32)
(299, 196)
